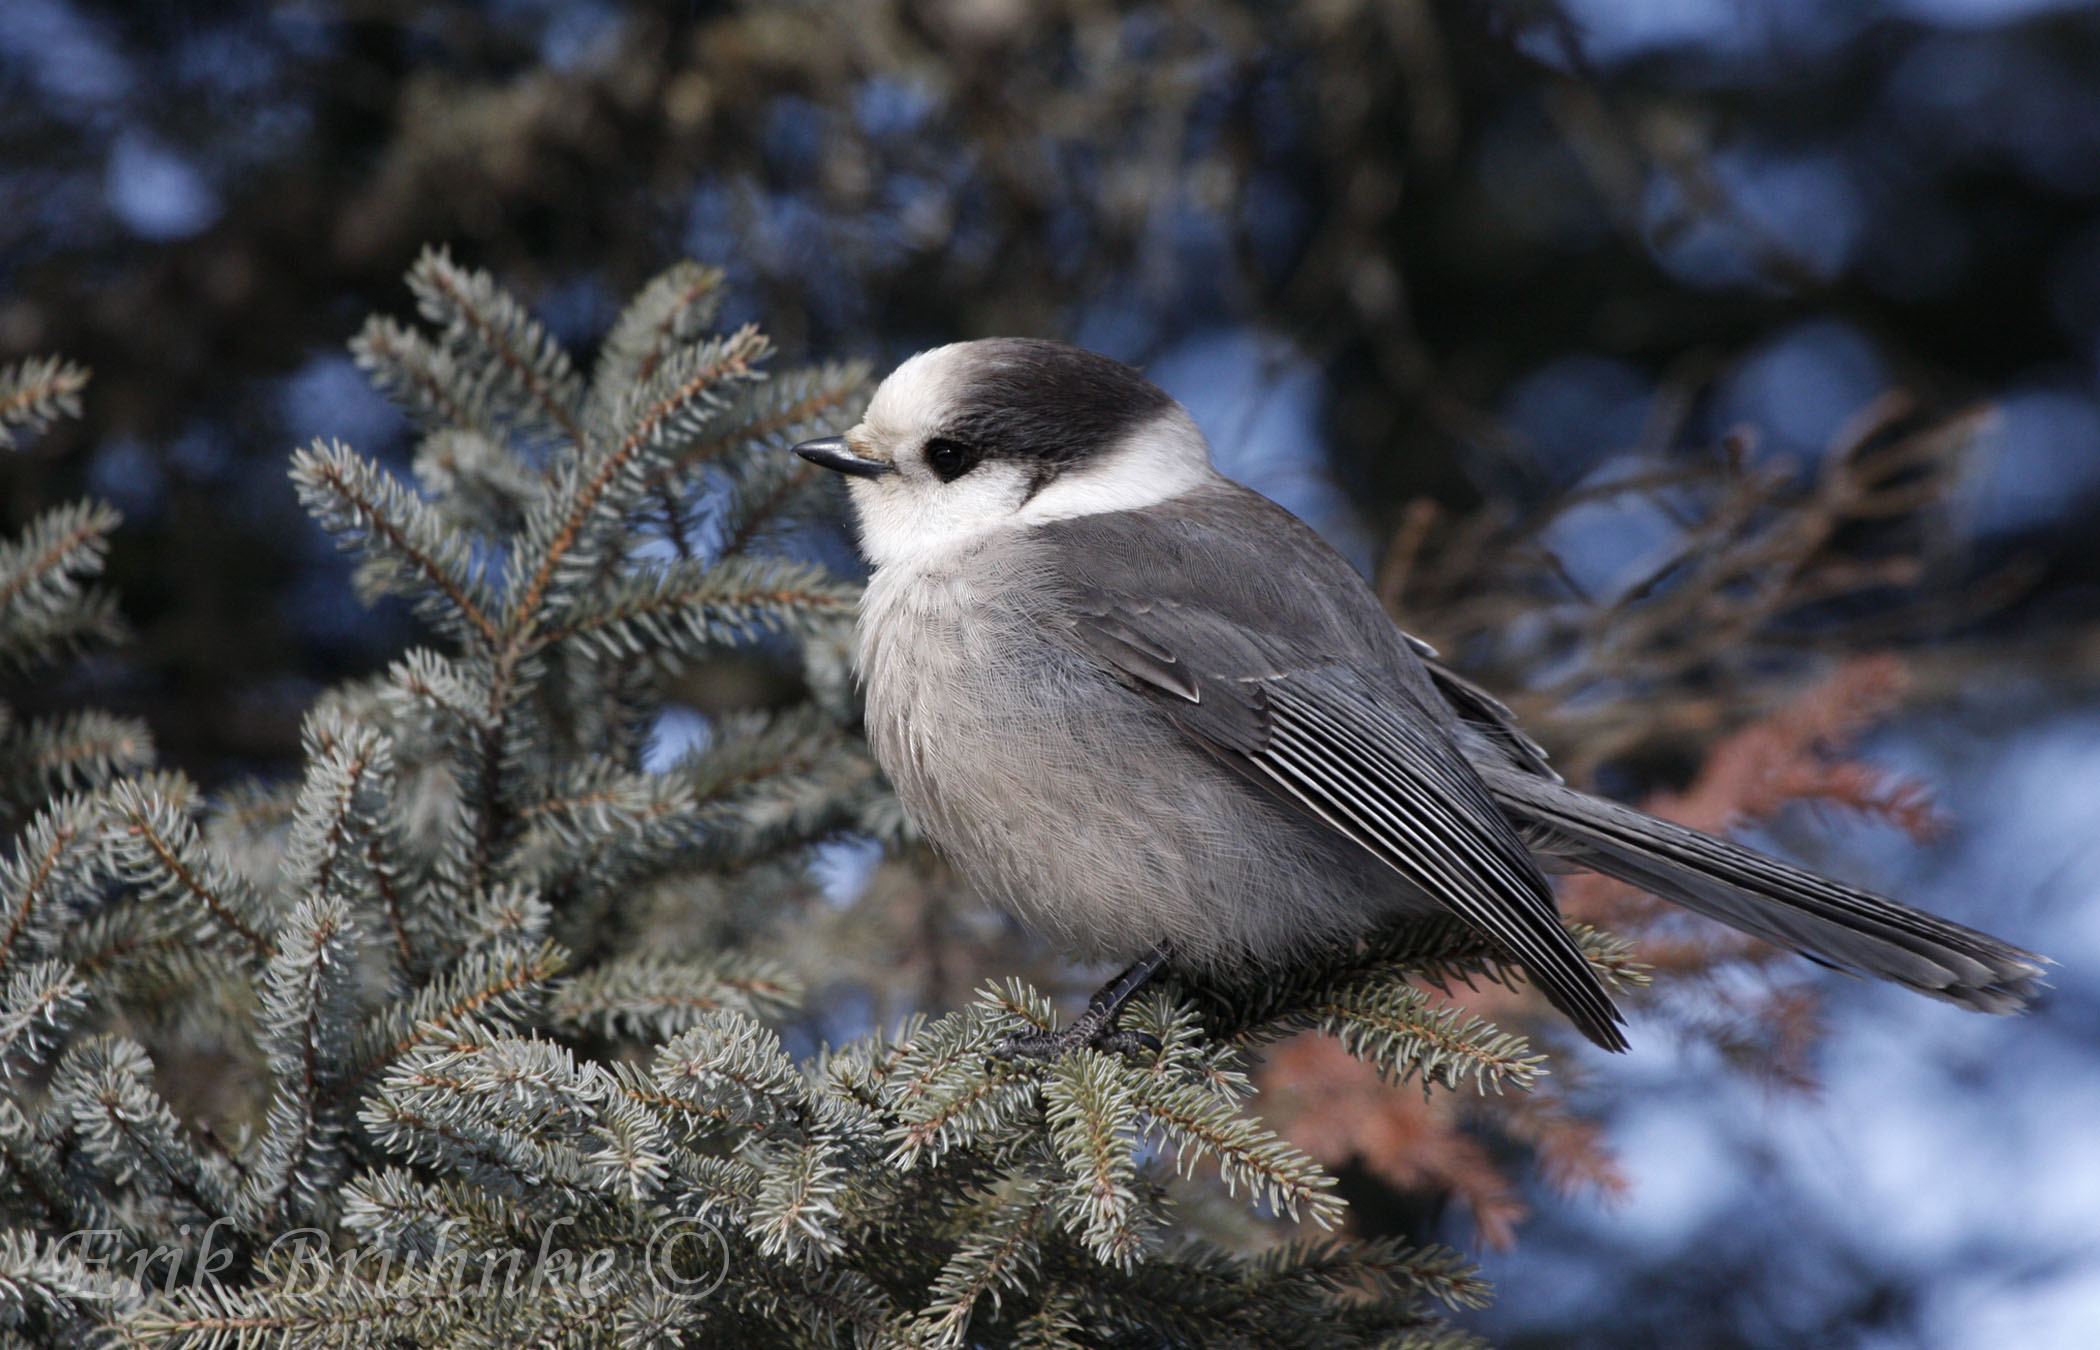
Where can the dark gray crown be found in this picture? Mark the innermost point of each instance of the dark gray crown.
(1032, 399)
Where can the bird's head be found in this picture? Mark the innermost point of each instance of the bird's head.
(973, 438)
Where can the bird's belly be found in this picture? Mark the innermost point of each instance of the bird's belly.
(1074, 803)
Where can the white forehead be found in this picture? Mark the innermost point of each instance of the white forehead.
(919, 394)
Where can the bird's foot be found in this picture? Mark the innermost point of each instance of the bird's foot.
(1094, 1029)
(1090, 1030)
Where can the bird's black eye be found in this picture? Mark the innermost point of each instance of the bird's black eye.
(950, 459)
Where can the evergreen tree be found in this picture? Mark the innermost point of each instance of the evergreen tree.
(468, 1036)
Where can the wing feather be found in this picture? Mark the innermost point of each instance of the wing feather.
(1490, 716)
(1411, 811)
(1323, 743)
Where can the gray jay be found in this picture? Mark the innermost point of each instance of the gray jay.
(1157, 718)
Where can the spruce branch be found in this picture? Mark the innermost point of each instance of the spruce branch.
(139, 953)
(37, 391)
(1382, 1268)
(598, 821)
(500, 984)
(634, 1158)
(308, 1015)
(457, 1105)
(323, 1308)
(471, 706)
(404, 548)
(155, 846)
(705, 1181)
(508, 917)
(421, 376)
(1195, 1295)
(759, 754)
(1056, 1324)
(998, 1254)
(428, 687)
(335, 812)
(675, 613)
(685, 395)
(592, 799)
(1296, 1297)
(762, 785)
(390, 1209)
(621, 1308)
(670, 311)
(48, 864)
(476, 481)
(1616, 959)
(40, 1182)
(804, 1306)
(49, 1283)
(1199, 1122)
(731, 1068)
(767, 493)
(347, 835)
(407, 910)
(72, 751)
(798, 1212)
(764, 419)
(766, 781)
(594, 492)
(44, 608)
(128, 1133)
(1395, 1028)
(563, 546)
(503, 352)
(38, 1003)
(615, 703)
(759, 485)
(642, 995)
(942, 1094)
(1091, 1107)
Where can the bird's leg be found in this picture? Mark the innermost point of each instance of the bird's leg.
(1096, 1027)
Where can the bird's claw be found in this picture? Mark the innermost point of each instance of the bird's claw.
(1128, 1043)
(1082, 1034)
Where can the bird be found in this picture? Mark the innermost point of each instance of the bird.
(1159, 720)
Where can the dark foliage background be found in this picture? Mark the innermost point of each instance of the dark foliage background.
(1389, 251)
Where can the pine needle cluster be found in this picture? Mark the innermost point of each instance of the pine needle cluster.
(401, 1052)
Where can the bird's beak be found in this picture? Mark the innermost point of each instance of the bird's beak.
(832, 453)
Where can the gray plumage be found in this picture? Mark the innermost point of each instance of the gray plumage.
(1138, 704)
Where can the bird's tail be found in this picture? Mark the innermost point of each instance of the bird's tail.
(1825, 920)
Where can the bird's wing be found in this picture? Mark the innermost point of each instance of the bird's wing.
(1490, 717)
(1321, 737)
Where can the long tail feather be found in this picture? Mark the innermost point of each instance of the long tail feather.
(1825, 920)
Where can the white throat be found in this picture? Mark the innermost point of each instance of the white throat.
(912, 521)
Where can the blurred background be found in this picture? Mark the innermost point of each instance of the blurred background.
(1713, 378)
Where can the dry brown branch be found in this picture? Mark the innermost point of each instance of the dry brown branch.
(1769, 560)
